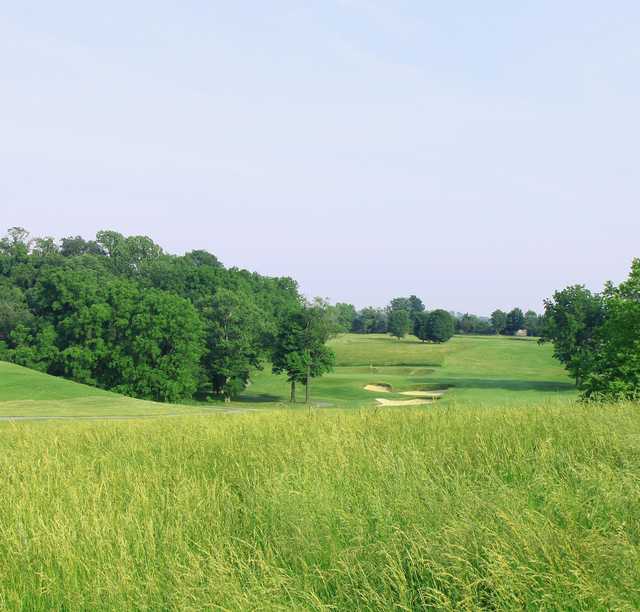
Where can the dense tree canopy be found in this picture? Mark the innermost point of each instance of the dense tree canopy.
(119, 313)
(399, 323)
(597, 336)
(344, 316)
(498, 321)
(573, 317)
(300, 349)
(439, 326)
(515, 321)
(370, 321)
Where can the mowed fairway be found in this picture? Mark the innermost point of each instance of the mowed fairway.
(478, 370)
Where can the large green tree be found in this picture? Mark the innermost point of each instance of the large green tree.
(344, 316)
(420, 329)
(572, 319)
(106, 331)
(13, 310)
(515, 321)
(532, 323)
(597, 337)
(127, 254)
(371, 320)
(615, 366)
(439, 326)
(498, 321)
(399, 323)
(234, 333)
(300, 349)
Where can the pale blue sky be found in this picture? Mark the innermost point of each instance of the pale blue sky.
(477, 154)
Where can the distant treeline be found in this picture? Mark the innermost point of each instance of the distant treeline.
(118, 313)
(373, 320)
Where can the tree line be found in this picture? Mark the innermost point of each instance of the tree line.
(405, 315)
(597, 336)
(119, 313)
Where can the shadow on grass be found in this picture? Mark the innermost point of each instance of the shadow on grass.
(508, 385)
(259, 398)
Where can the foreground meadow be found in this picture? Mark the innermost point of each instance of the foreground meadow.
(518, 508)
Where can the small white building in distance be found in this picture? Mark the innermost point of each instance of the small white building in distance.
(521, 333)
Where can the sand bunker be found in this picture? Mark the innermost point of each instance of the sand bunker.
(413, 402)
(378, 388)
(430, 394)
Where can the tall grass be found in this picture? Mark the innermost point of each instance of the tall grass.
(376, 510)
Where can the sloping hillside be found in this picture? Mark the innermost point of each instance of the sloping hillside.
(25, 392)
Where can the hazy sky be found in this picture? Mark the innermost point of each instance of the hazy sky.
(477, 154)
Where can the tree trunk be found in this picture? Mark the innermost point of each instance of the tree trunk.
(306, 385)
(293, 391)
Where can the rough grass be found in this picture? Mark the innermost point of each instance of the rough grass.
(518, 508)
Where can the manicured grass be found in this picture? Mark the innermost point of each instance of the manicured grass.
(25, 392)
(451, 509)
(17, 383)
(478, 370)
(382, 349)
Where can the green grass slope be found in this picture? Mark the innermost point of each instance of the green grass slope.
(25, 392)
(482, 370)
(465, 509)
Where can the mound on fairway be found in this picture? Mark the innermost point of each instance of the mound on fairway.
(25, 392)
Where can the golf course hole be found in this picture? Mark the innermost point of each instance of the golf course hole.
(378, 387)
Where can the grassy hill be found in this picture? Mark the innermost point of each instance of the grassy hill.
(24, 392)
(479, 370)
